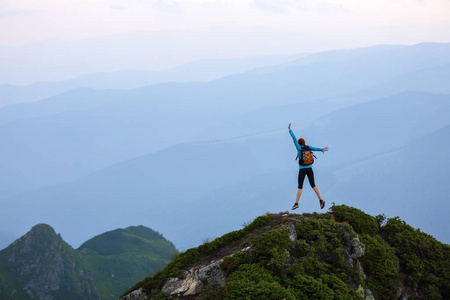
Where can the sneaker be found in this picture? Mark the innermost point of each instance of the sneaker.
(322, 204)
(295, 206)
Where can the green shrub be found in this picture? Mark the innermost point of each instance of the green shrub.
(327, 286)
(274, 239)
(323, 236)
(381, 266)
(360, 221)
(423, 259)
(309, 266)
(259, 222)
(232, 263)
(212, 292)
(255, 282)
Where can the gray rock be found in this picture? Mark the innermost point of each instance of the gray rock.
(357, 248)
(353, 248)
(368, 295)
(361, 270)
(189, 285)
(192, 281)
(135, 295)
(212, 274)
(290, 229)
(365, 294)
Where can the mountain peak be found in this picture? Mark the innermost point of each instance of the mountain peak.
(341, 254)
(41, 236)
(42, 229)
(44, 265)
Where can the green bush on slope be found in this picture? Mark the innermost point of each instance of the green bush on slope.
(359, 220)
(424, 261)
(381, 266)
(252, 281)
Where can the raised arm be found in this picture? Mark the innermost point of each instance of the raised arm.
(294, 138)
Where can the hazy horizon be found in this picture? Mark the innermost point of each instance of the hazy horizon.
(24, 21)
(81, 37)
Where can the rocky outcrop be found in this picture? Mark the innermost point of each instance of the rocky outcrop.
(353, 248)
(136, 295)
(365, 294)
(192, 281)
(290, 229)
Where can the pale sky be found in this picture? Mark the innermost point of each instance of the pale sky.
(374, 21)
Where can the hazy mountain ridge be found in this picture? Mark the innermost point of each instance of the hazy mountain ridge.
(432, 80)
(153, 50)
(203, 70)
(40, 265)
(344, 253)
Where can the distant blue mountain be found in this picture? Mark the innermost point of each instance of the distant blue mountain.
(56, 60)
(431, 80)
(339, 73)
(202, 70)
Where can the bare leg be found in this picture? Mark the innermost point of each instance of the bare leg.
(299, 193)
(316, 189)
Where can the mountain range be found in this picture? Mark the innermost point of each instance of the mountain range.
(98, 128)
(41, 265)
(202, 70)
(219, 151)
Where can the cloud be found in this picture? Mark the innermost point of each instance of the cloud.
(118, 7)
(275, 6)
(165, 6)
(6, 10)
(306, 5)
(168, 6)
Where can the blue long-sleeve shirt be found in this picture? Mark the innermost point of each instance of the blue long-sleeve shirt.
(299, 148)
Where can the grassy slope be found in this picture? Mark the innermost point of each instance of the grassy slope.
(121, 257)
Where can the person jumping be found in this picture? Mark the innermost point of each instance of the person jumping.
(306, 160)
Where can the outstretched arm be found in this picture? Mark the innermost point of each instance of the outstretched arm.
(318, 149)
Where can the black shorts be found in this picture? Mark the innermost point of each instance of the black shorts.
(301, 177)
